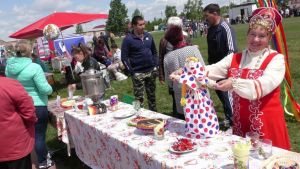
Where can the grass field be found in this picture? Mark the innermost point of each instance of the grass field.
(292, 30)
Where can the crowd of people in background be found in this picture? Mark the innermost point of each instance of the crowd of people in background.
(195, 29)
(287, 11)
(139, 59)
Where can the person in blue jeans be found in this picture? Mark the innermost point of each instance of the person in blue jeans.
(40, 135)
(32, 77)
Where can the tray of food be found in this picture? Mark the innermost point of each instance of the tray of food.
(182, 146)
(282, 161)
(148, 124)
(67, 103)
(133, 121)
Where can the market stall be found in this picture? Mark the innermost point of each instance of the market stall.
(109, 141)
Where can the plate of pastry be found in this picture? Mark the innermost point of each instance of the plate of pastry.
(147, 125)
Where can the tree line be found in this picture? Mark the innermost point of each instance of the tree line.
(118, 19)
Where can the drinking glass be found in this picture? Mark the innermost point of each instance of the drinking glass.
(136, 106)
(58, 99)
(241, 153)
(159, 131)
(253, 137)
(114, 101)
(264, 149)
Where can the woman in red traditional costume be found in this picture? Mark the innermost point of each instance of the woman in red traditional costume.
(254, 77)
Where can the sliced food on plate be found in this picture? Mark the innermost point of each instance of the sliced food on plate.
(183, 145)
(67, 103)
(133, 121)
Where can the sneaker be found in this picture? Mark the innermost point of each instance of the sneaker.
(47, 163)
(50, 153)
(120, 76)
(225, 123)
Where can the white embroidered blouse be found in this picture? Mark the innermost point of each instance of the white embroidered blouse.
(271, 78)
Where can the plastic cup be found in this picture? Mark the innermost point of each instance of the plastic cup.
(136, 106)
(114, 102)
(159, 131)
(264, 149)
(241, 153)
(58, 101)
(253, 137)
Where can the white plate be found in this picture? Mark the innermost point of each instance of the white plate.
(284, 159)
(182, 152)
(123, 115)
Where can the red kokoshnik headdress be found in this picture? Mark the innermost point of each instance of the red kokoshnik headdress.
(267, 17)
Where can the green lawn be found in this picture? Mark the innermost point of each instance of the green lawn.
(292, 27)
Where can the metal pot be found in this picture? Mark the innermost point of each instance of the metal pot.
(93, 83)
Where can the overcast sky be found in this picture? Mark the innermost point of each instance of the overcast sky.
(16, 14)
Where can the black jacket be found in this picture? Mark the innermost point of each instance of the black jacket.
(221, 41)
(89, 63)
(139, 56)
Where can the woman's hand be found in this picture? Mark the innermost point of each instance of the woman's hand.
(224, 85)
(174, 77)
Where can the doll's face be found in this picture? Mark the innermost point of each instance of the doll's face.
(191, 65)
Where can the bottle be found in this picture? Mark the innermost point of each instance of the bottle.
(58, 101)
(85, 107)
(136, 106)
(75, 107)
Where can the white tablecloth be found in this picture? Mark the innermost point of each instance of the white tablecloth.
(58, 121)
(101, 141)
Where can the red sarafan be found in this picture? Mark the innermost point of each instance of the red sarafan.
(183, 145)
